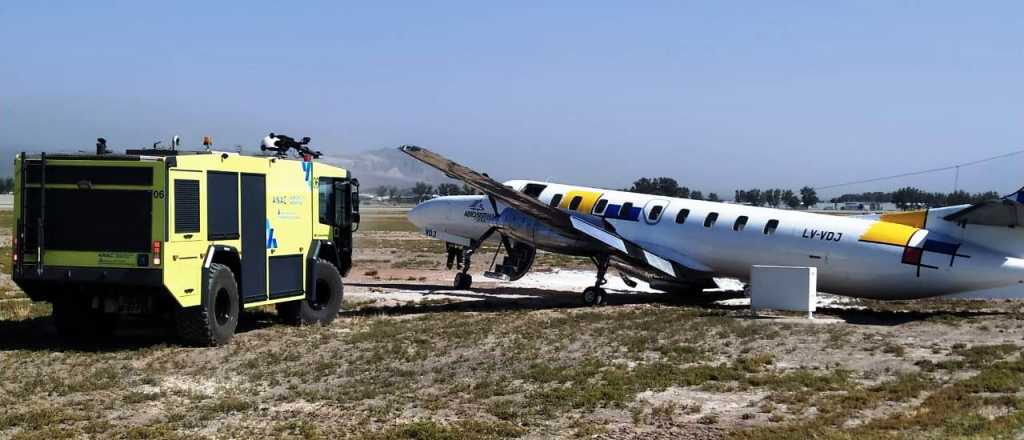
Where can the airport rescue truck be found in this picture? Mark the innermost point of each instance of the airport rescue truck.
(192, 236)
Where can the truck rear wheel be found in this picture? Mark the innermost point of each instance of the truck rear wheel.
(213, 322)
(320, 306)
(77, 323)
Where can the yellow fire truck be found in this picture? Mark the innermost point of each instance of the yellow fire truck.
(192, 236)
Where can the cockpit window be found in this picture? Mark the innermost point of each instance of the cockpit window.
(557, 199)
(600, 207)
(771, 226)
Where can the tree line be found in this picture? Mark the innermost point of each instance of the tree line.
(911, 197)
(904, 198)
(422, 191)
(774, 197)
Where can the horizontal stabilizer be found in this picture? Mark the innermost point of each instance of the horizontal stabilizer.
(1007, 211)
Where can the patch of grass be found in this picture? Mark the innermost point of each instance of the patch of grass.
(978, 356)
(432, 430)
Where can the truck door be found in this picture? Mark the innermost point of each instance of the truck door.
(254, 237)
(186, 245)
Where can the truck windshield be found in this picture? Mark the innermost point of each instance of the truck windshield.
(325, 196)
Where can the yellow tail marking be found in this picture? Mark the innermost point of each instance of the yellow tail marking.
(889, 233)
(586, 205)
(915, 219)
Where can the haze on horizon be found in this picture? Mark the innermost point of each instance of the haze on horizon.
(720, 96)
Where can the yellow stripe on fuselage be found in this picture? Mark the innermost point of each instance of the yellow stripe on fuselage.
(586, 205)
(889, 233)
(914, 219)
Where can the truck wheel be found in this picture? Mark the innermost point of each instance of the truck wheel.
(78, 324)
(213, 322)
(320, 306)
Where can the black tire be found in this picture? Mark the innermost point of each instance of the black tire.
(78, 324)
(463, 281)
(593, 296)
(321, 306)
(213, 322)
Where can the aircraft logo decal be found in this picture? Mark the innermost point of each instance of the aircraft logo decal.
(896, 234)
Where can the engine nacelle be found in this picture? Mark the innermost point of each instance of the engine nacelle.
(529, 230)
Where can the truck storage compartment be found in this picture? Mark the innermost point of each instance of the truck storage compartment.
(90, 219)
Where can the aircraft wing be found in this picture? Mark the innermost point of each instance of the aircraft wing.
(1008, 211)
(521, 202)
(664, 260)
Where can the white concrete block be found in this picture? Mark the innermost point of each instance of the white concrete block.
(783, 288)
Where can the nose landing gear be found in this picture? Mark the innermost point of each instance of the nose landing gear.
(595, 295)
(463, 280)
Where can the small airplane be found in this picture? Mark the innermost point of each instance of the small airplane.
(680, 245)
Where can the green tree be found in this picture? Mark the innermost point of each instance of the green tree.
(422, 191)
(664, 186)
(713, 197)
(448, 189)
(790, 199)
(808, 196)
(696, 195)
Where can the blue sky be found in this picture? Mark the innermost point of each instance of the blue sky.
(719, 95)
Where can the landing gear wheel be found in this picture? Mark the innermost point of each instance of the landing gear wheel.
(77, 324)
(213, 322)
(322, 305)
(593, 296)
(463, 281)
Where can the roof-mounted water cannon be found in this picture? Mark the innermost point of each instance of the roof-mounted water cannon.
(280, 144)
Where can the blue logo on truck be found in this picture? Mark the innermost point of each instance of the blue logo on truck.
(271, 240)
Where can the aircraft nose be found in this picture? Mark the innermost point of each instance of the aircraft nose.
(426, 214)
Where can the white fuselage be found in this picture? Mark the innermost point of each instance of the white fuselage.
(919, 256)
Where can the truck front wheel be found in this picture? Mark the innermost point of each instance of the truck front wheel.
(320, 306)
(213, 322)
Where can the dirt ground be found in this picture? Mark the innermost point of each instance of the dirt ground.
(412, 358)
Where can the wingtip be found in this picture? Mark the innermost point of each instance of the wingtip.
(409, 148)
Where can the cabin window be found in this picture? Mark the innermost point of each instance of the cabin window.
(741, 222)
(575, 203)
(655, 213)
(600, 207)
(624, 211)
(556, 200)
(534, 189)
(710, 220)
(682, 215)
(770, 227)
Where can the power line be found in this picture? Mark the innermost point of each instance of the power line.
(917, 173)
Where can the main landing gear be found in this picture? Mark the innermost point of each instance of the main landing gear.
(595, 295)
